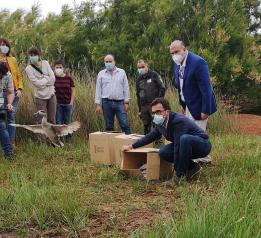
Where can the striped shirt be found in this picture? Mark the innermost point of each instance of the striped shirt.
(63, 89)
(112, 85)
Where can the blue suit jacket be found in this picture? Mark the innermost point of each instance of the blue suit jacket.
(178, 125)
(197, 90)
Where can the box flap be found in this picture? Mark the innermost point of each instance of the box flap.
(131, 136)
(143, 150)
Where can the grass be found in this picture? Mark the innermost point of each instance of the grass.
(59, 191)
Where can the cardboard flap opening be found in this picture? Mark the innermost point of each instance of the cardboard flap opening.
(133, 160)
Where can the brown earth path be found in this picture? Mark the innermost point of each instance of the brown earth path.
(250, 124)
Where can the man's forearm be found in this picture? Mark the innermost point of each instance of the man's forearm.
(10, 97)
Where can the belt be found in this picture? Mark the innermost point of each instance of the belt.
(112, 100)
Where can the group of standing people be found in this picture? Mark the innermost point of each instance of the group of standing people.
(190, 145)
(54, 92)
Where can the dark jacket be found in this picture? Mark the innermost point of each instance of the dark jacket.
(148, 87)
(197, 89)
(178, 125)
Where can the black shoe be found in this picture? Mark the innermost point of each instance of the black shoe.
(194, 173)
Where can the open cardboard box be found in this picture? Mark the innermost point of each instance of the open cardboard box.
(101, 147)
(120, 140)
(156, 168)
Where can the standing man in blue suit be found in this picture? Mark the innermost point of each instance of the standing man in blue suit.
(192, 79)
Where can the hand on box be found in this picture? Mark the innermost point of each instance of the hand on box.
(126, 147)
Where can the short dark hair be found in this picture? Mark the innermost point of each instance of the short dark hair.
(164, 102)
(7, 43)
(3, 68)
(59, 61)
(34, 51)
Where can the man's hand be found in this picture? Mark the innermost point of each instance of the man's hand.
(126, 147)
(204, 116)
(9, 107)
(182, 110)
(98, 109)
(19, 93)
(126, 107)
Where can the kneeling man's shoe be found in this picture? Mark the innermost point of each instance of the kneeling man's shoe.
(194, 173)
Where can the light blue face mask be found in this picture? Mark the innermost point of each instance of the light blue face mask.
(141, 71)
(34, 59)
(158, 120)
(109, 66)
(4, 49)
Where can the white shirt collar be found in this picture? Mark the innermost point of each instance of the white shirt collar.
(185, 60)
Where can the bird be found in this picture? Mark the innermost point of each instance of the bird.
(51, 131)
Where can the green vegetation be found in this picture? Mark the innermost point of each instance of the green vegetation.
(50, 191)
(58, 192)
(225, 33)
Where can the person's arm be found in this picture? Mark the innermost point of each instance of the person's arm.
(126, 90)
(73, 91)
(147, 139)
(203, 80)
(50, 76)
(19, 85)
(73, 96)
(98, 95)
(160, 85)
(138, 95)
(39, 83)
(10, 92)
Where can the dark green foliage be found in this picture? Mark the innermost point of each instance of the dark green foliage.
(225, 33)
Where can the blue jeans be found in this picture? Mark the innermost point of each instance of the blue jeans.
(11, 118)
(191, 147)
(64, 114)
(111, 108)
(5, 139)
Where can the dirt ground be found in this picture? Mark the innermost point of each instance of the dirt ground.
(250, 124)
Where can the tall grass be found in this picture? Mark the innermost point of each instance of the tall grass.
(84, 108)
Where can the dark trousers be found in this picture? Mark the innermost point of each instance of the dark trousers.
(111, 108)
(146, 118)
(190, 147)
(49, 106)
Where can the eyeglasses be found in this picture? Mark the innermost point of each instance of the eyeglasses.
(158, 112)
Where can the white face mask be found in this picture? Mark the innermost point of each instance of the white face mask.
(177, 58)
(58, 71)
(4, 49)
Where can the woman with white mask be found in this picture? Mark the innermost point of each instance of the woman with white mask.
(12, 65)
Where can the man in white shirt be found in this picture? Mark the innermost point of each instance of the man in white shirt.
(112, 95)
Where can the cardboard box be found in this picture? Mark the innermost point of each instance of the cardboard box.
(156, 168)
(101, 147)
(123, 139)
